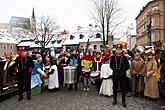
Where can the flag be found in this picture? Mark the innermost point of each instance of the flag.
(149, 24)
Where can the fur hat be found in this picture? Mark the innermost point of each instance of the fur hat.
(119, 46)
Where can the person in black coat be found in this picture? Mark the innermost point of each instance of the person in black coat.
(23, 66)
(119, 64)
(162, 63)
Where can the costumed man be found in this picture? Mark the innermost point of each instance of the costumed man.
(9, 75)
(24, 66)
(151, 85)
(162, 63)
(62, 63)
(119, 64)
(137, 71)
(96, 68)
(86, 64)
(36, 78)
(73, 61)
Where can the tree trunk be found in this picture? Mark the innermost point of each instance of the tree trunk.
(103, 35)
(107, 33)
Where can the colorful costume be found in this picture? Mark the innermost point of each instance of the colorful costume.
(24, 64)
(137, 71)
(151, 84)
(86, 64)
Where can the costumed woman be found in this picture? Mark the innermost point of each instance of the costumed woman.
(9, 75)
(86, 64)
(106, 74)
(36, 76)
(53, 83)
(151, 84)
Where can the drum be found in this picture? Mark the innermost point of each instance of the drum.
(70, 75)
(85, 73)
(95, 75)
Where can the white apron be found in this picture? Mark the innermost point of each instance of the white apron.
(53, 78)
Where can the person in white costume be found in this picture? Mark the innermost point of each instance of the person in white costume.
(53, 77)
(105, 74)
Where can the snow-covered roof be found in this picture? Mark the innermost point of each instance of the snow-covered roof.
(7, 38)
(34, 45)
(86, 35)
(25, 43)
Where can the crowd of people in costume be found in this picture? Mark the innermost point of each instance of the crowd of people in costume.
(110, 72)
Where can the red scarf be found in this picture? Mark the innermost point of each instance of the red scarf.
(87, 57)
(119, 54)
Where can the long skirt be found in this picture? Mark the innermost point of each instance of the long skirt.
(106, 87)
(36, 90)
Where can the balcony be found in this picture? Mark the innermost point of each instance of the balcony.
(153, 12)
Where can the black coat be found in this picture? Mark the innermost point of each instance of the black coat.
(24, 64)
(119, 69)
(162, 60)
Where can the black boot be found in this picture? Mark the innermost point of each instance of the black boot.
(124, 104)
(142, 94)
(20, 97)
(70, 87)
(114, 102)
(136, 94)
(29, 94)
(75, 86)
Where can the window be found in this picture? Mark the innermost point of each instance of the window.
(95, 46)
(101, 48)
(152, 36)
(4, 46)
(72, 37)
(11, 46)
(152, 21)
(4, 53)
(59, 41)
(81, 36)
(98, 35)
(157, 21)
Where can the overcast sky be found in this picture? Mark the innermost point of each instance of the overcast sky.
(68, 13)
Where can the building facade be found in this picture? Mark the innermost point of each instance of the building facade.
(4, 27)
(19, 24)
(150, 23)
(132, 42)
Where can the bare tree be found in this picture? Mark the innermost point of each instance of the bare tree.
(106, 15)
(45, 30)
